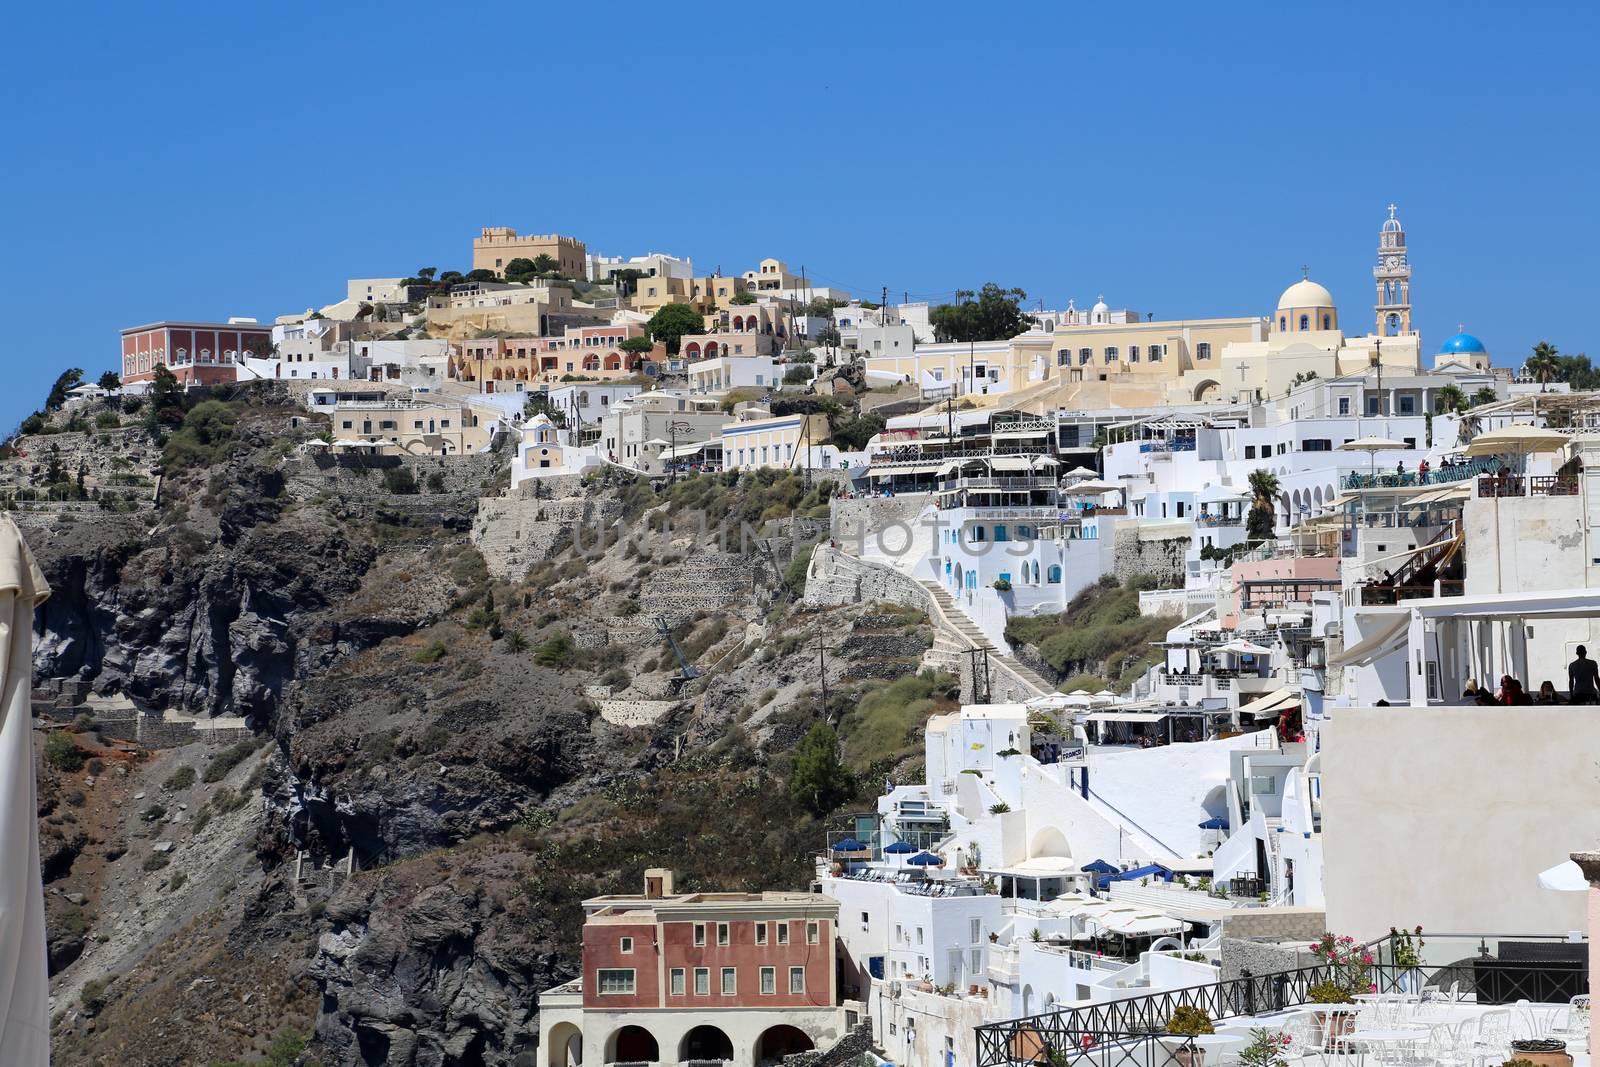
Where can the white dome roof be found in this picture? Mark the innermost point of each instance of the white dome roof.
(1305, 294)
(1100, 305)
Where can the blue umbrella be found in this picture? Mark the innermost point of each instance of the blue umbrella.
(849, 844)
(924, 859)
(1099, 867)
(900, 848)
(1216, 822)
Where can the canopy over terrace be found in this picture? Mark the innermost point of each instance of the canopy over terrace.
(1451, 639)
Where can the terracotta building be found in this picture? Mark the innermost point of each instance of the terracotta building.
(744, 978)
(197, 353)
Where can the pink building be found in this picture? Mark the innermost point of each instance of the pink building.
(1264, 585)
(197, 353)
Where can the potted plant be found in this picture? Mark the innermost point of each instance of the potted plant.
(1541, 1052)
(1408, 946)
(1267, 1048)
(1189, 1022)
(1333, 1020)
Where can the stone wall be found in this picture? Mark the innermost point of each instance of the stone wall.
(515, 533)
(1161, 557)
(865, 516)
(119, 461)
(707, 580)
(636, 712)
(837, 578)
(1259, 957)
(1276, 924)
(362, 476)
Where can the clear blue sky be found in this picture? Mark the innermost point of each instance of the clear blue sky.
(175, 161)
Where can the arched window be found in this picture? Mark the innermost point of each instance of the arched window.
(1327, 321)
(1305, 322)
(1283, 322)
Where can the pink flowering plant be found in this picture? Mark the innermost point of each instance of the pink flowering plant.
(1350, 964)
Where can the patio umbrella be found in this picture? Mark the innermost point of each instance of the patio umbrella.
(900, 848)
(24, 974)
(1106, 694)
(1241, 647)
(1564, 878)
(1081, 472)
(849, 844)
(924, 859)
(1372, 446)
(1216, 822)
(1092, 487)
(1521, 441)
(1098, 867)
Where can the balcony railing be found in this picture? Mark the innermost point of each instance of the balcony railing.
(1446, 475)
(1126, 1033)
(1505, 485)
(1380, 595)
(1211, 521)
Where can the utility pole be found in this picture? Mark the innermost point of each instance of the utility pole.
(978, 658)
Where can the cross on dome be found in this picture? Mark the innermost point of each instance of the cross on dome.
(1392, 209)
(1305, 270)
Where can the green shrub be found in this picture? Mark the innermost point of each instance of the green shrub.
(1101, 631)
(154, 813)
(62, 752)
(228, 759)
(182, 778)
(205, 437)
(433, 652)
(107, 420)
(887, 720)
(399, 480)
(155, 861)
(557, 650)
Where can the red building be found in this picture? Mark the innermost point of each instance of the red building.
(743, 978)
(197, 353)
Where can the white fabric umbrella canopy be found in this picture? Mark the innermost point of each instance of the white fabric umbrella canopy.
(1372, 444)
(1242, 647)
(1566, 877)
(1519, 440)
(24, 974)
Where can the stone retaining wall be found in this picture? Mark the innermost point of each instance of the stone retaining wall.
(847, 1049)
(515, 533)
(1136, 554)
(635, 712)
(1276, 924)
(837, 578)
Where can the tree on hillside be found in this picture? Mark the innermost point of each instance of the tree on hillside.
(165, 400)
(110, 381)
(995, 315)
(1261, 523)
(673, 323)
(520, 265)
(544, 264)
(70, 378)
(627, 280)
(818, 780)
(482, 274)
(1542, 365)
(636, 346)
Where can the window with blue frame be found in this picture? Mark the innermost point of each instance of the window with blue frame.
(1005, 576)
(976, 534)
(1054, 574)
(1000, 533)
(1305, 322)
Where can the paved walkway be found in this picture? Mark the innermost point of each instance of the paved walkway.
(952, 619)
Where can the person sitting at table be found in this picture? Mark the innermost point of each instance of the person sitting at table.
(1469, 693)
(1547, 693)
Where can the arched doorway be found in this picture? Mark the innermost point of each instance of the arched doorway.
(564, 1046)
(711, 350)
(776, 1042)
(1207, 391)
(705, 1042)
(632, 1044)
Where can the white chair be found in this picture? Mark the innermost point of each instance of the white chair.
(1450, 1044)
(1305, 1039)
(1491, 1042)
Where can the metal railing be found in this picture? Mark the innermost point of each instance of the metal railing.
(1504, 485)
(1128, 1031)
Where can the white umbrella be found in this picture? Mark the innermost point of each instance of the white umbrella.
(1518, 440)
(1564, 877)
(1372, 446)
(1093, 487)
(1241, 647)
(24, 974)
(1080, 472)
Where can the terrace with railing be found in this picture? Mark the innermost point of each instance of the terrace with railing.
(1441, 475)
(1504, 484)
(1133, 1032)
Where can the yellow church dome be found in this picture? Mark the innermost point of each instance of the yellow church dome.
(1305, 294)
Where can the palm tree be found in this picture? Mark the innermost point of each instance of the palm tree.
(1450, 398)
(1263, 505)
(1542, 365)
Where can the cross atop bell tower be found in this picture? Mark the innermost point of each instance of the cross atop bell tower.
(1393, 277)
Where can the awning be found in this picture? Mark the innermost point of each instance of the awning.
(1379, 643)
(1273, 701)
(1127, 716)
(1564, 877)
(1518, 440)
(1019, 463)
(1217, 494)
(890, 472)
(1146, 925)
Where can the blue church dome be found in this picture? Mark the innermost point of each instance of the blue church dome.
(1462, 342)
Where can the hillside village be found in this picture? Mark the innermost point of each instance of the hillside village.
(587, 659)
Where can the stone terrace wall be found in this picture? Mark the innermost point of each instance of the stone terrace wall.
(362, 476)
(838, 578)
(515, 533)
(1161, 557)
(865, 515)
(111, 459)
(1276, 924)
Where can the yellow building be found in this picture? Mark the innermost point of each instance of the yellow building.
(498, 245)
(763, 440)
(705, 295)
(771, 275)
(408, 427)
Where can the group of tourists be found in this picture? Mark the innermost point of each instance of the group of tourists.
(1583, 687)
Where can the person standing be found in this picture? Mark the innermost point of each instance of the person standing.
(1583, 679)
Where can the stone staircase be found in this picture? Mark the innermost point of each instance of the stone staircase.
(956, 634)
